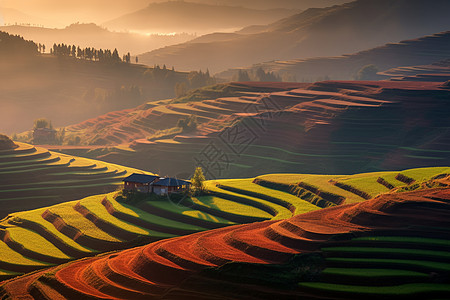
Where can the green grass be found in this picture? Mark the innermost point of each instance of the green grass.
(388, 251)
(223, 201)
(279, 212)
(246, 186)
(405, 239)
(194, 213)
(229, 206)
(35, 216)
(423, 174)
(35, 242)
(432, 265)
(364, 182)
(367, 272)
(93, 204)
(51, 177)
(74, 219)
(404, 289)
(12, 257)
(151, 218)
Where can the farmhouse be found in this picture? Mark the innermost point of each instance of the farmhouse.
(170, 185)
(44, 135)
(139, 182)
(154, 184)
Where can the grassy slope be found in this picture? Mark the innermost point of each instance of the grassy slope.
(32, 177)
(101, 223)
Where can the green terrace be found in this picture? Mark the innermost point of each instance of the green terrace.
(51, 235)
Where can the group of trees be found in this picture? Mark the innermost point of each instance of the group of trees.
(258, 75)
(89, 53)
(188, 124)
(15, 45)
(41, 48)
(195, 79)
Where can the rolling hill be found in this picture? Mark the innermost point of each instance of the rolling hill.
(48, 236)
(331, 31)
(180, 16)
(437, 71)
(32, 177)
(333, 127)
(394, 246)
(270, 4)
(13, 16)
(421, 51)
(92, 35)
(67, 90)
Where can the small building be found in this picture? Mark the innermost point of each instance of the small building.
(166, 186)
(139, 182)
(44, 135)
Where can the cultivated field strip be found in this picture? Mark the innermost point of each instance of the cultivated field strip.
(32, 177)
(101, 223)
(341, 252)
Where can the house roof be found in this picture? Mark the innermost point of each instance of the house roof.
(171, 182)
(140, 178)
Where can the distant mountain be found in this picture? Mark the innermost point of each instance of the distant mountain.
(424, 50)
(329, 127)
(180, 16)
(9, 16)
(65, 89)
(268, 4)
(92, 35)
(437, 71)
(331, 31)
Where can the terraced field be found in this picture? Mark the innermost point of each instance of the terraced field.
(393, 246)
(330, 127)
(393, 55)
(53, 235)
(32, 177)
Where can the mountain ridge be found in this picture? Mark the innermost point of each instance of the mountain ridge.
(176, 16)
(316, 32)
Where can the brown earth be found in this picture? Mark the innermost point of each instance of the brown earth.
(188, 265)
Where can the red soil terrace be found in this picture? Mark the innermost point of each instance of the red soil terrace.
(160, 268)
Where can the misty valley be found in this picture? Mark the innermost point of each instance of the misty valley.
(200, 149)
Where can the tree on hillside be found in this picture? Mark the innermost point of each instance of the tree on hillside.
(42, 123)
(180, 89)
(243, 76)
(6, 143)
(261, 75)
(198, 180)
(368, 72)
(188, 124)
(15, 45)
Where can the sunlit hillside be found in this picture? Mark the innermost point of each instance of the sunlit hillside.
(32, 177)
(394, 246)
(53, 235)
(326, 127)
(330, 31)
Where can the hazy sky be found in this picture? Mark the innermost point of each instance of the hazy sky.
(61, 13)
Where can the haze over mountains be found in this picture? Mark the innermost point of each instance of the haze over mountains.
(314, 162)
(180, 16)
(92, 35)
(346, 67)
(329, 31)
(56, 13)
(67, 89)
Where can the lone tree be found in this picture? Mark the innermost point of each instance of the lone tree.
(6, 143)
(42, 123)
(197, 180)
(368, 72)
